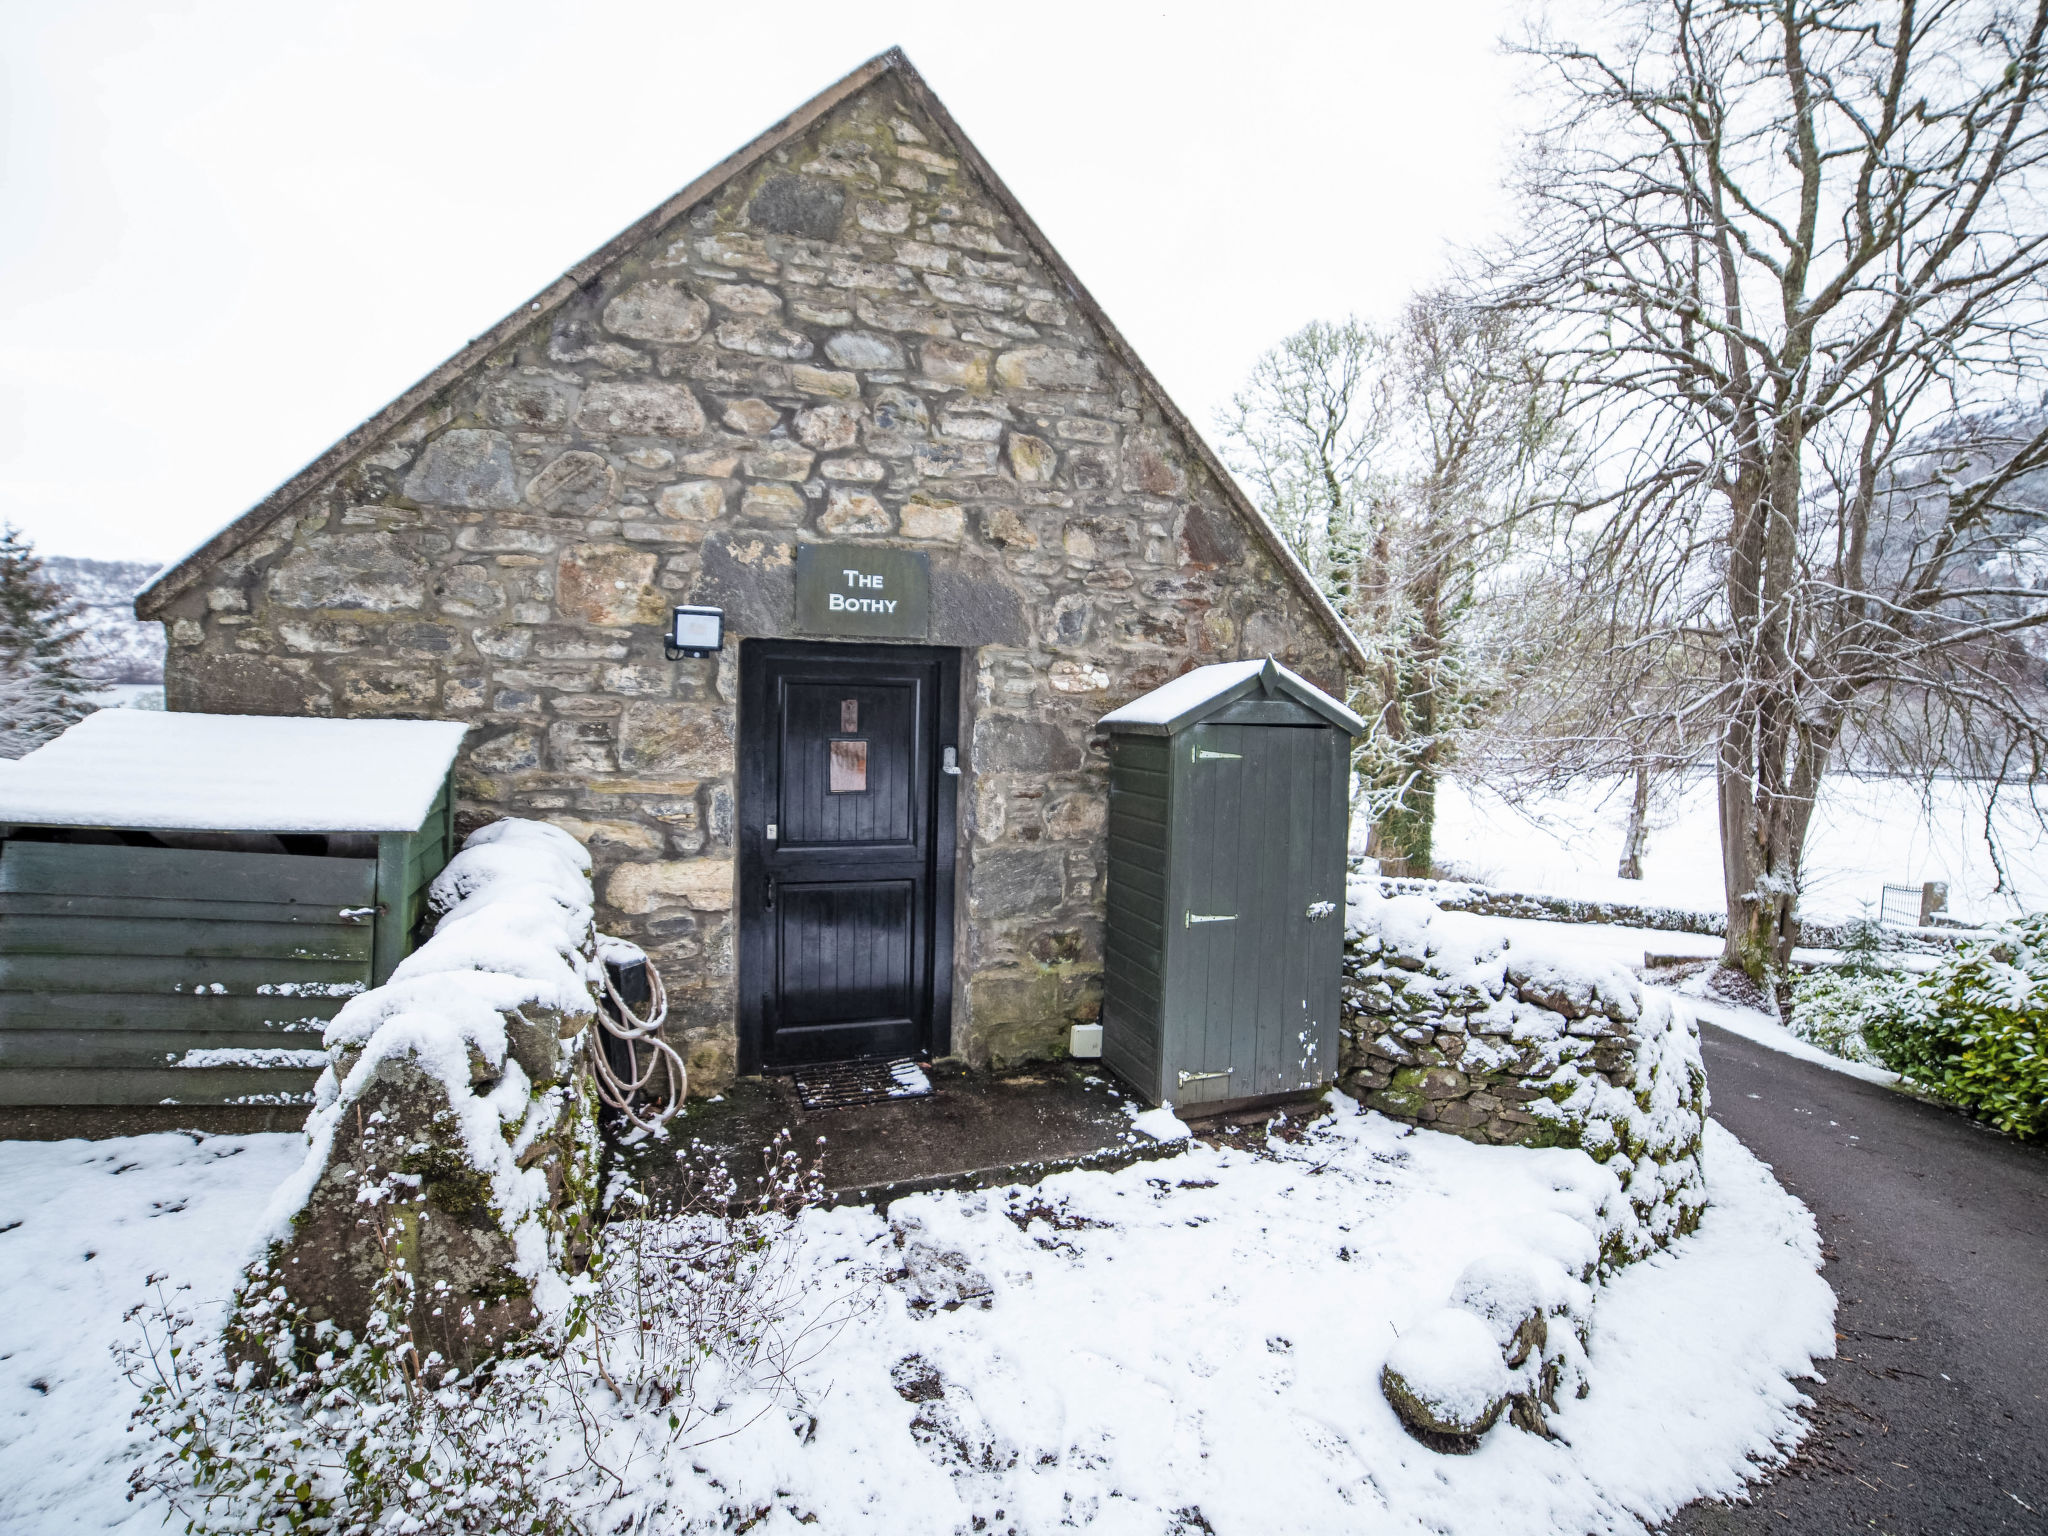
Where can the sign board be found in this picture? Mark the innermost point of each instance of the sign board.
(849, 589)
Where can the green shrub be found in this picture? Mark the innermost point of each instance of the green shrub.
(1973, 1031)
(1832, 1007)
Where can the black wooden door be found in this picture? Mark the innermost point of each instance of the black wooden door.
(846, 849)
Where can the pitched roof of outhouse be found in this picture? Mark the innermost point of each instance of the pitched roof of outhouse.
(149, 770)
(180, 576)
(1198, 694)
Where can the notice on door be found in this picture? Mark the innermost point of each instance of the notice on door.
(844, 589)
(849, 767)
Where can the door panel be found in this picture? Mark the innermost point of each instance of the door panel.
(846, 851)
(1269, 799)
(846, 952)
(865, 796)
(1222, 920)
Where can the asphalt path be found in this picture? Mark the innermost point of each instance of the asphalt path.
(1933, 1421)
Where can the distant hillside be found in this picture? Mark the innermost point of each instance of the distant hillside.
(119, 648)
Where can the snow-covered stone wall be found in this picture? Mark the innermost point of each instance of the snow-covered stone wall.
(453, 1143)
(1453, 1023)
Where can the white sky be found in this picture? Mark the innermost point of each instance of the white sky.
(230, 232)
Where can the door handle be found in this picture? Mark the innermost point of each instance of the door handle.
(770, 903)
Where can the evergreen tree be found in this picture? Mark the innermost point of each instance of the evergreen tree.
(40, 690)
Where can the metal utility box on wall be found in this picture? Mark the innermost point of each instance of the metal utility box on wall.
(1228, 813)
(186, 899)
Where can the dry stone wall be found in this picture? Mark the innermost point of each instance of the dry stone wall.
(453, 1140)
(850, 341)
(1452, 1023)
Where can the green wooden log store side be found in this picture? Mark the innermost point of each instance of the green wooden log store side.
(1240, 819)
(407, 863)
(117, 962)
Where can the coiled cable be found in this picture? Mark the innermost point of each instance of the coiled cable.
(635, 1034)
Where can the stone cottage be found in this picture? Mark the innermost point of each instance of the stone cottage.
(841, 390)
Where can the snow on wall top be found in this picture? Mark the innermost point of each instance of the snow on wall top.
(1181, 702)
(144, 769)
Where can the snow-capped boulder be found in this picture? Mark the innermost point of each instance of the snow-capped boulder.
(1540, 1316)
(1446, 1379)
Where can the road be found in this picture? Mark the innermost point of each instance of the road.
(1934, 1420)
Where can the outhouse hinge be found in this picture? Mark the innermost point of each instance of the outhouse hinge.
(1203, 754)
(1208, 917)
(1204, 1077)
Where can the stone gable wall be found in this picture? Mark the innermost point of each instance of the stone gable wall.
(850, 342)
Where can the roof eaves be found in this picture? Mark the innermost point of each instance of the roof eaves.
(181, 575)
(1194, 714)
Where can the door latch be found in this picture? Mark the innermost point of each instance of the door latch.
(1204, 1077)
(1192, 918)
(949, 762)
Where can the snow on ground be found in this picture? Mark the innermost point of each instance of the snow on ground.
(1866, 833)
(82, 1225)
(1762, 1029)
(1202, 1333)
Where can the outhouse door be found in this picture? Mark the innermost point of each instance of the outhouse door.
(846, 848)
(1261, 910)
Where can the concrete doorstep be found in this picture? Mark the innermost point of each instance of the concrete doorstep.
(974, 1131)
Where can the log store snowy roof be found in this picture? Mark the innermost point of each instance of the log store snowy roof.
(150, 770)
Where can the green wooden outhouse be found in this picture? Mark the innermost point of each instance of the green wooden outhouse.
(186, 899)
(1228, 811)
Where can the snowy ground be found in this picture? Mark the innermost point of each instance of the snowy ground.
(82, 1225)
(1202, 1334)
(1866, 833)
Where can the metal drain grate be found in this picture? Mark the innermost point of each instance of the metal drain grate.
(843, 1084)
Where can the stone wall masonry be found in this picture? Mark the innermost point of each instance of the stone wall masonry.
(1451, 1024)
(848, 342)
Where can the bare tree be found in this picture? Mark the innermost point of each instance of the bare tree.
(1791, 253)
(1400, 461)
(1302, 434)
(1596, 689)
